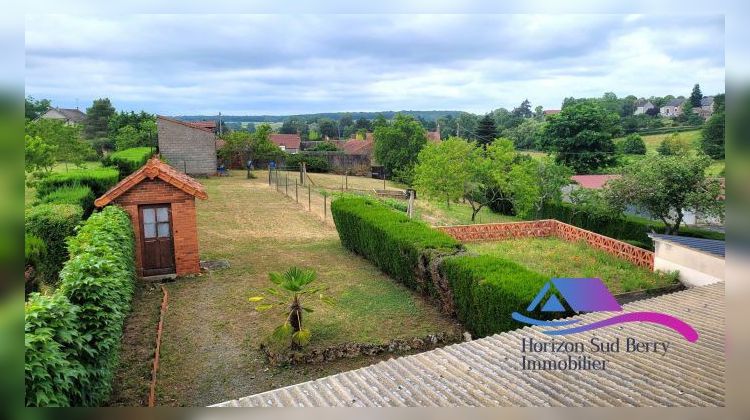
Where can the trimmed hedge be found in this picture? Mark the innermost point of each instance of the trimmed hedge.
(52, 223)
(98, 179)
(629, 229)
(73, 336)
(80, 195)
(389, 239)
(487, 289)
(129, 160)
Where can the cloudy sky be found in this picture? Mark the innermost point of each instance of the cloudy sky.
(289, 64)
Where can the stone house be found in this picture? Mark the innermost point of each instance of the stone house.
(187, 147)
(673, 108)
(642, 105)
(68, 115)
(161, 203)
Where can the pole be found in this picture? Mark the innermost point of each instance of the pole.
(286, 183)
(296, 193)
(269, 175)
(302, 173)
(308, 197)
(325, 197)
(346, 179)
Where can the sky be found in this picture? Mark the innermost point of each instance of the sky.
(293, 64)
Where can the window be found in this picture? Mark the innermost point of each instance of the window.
(156, 223)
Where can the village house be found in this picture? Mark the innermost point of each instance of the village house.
(186, 146)
(707, 107)
(161, 203)
(289, 143)
(673, 108)
(642, 106)
(68, 115)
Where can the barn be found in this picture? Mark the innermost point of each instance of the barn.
(161, 204)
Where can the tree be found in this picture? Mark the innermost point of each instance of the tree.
(240, 146)
(398, 144)
(633, 145)
(291, 285)
(379, 121)
(696, 96)
(327, 128)
(69, 148)
(689, 116)
(551, 178)
(466, 125)
(712, 135)
(667, 186)
(523, 110)
(528, 135)
(581, 136)
(444, 169)
(250, 127)
(539, 112)
(35, 108)
(289, 126)
(674, 145)
(486, 130)
(40, 156)
(127, 137)
(363, 124)
(96, 123)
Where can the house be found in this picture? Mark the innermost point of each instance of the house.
(161, 203)
(187, 147)
(289, 143)
(673, 108)
(68, 115)
(699, 261)
(707, 107)
(642, 105)
(487, 372)
(433, 136)
(548, 112)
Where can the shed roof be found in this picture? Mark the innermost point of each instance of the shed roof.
(710, 246)
(154, 168)
(485, 372)
(289, 141)
(185, 123)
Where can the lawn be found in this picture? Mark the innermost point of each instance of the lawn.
(440, 214)
(210, 350)
(555, 257)
(654, 140)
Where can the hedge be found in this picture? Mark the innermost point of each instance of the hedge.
(129, 160)
(52, 223)
(98, 179)
(73, 336)
(388, 238)
(487, 289)
(631, 229)
(79, 195)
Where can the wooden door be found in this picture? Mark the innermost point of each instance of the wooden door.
(158, 245)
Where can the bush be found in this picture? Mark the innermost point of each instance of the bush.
(80, 195)
(313, 163)
(73, 336)
(98, 179)
(674, 145)
(52, 223)
(633, 145)
(34, 250)
(395, 204)
(129, 160)
(487, 289)
(389, 239)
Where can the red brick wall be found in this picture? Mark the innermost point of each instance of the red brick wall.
(184, 222)
(550, 227)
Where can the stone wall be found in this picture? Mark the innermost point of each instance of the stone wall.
(550, 227)
(188, 149)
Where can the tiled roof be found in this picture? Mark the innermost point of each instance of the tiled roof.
(154, 168)
(593, 181)
(710, 246)
(676, 102)
(358, 147)
(551, 111)
(211, 125)
(707, 100)
(72, 114)
(185, 123)
(433, 136)
(485, 372)
(289, 141)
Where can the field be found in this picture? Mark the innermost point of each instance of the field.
(555, 257)
(210, 348)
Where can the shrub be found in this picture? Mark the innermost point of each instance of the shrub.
(52, 223)
(98, 179)
(79, 195)
(633, 145)
(674, 145)
(73, 336)
(487, 289)
(129, 160)
(34, 249)
(313, 163)
(389, 239)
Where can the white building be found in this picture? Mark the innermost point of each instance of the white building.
(699, 261)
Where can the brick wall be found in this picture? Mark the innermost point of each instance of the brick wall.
(550, 227)
(188, 149)
(184, 222)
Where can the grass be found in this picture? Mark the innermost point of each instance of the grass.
(335, 181)
(440, 214)
(654, 140)
(210, 348)
(555, 257)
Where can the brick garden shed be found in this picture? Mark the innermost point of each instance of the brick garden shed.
(161, 204)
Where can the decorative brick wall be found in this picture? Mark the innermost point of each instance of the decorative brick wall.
(184, 222)
(186, 148)
(550, 227)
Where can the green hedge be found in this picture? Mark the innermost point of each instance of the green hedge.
(80, 195)
(389, 239)
(73, 336)
(487, 289)
(129, 160)
(631, 229)
(98, 179)
(52, 223)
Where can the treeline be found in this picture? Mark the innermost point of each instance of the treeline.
(427, 115)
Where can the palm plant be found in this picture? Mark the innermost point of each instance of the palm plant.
(291, 285)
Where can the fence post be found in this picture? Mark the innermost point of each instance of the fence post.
(325, 197)
(308, 197)
(276, 175)
(296, 193)
(269, 175)
(346, 178)
(286, 183)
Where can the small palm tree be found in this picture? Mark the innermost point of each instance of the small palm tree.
(291, 284)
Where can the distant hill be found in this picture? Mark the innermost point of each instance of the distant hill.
(427, 115)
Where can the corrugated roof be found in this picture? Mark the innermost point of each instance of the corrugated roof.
(485, 372)
(711, 246)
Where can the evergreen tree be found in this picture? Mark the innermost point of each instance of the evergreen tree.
(696, 96)
(486, 130)
(523, 110)
(96, 124)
